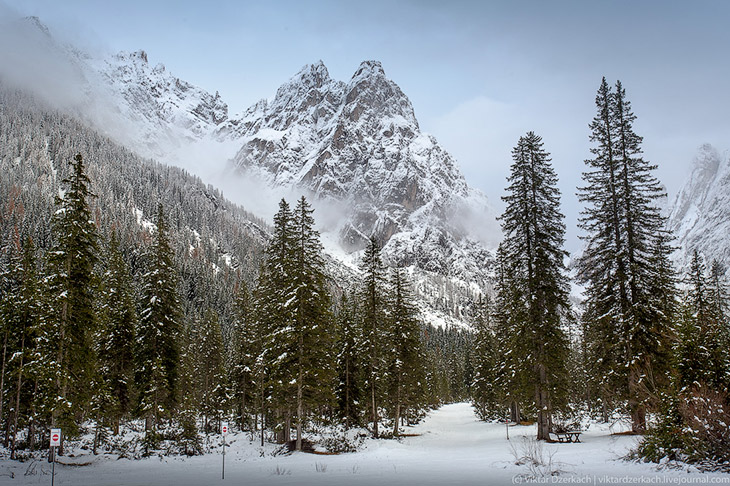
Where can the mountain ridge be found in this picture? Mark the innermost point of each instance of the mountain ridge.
(698, 215)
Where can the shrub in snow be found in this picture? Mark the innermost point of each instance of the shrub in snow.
(693, 427)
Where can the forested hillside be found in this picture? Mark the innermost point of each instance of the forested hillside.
(130, 290)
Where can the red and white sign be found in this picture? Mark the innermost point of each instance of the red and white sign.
(224, 428)
(55, 437)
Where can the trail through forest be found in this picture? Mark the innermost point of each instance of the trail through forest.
(450, 447)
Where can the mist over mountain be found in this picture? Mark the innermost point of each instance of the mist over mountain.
(699, 215)
(354, 147)
(358, 145)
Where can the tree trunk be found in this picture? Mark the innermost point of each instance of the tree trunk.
(637, 408)
(263, 414)
(2, 373)
(515, 412)
(542, 400)
(287, 426)
(347, 394)
(17, 395)
(374, 408)
(300, 411)
(397, 408)
(300, 395)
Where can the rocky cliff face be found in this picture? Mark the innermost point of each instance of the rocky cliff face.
(359, 144)
(700, 214)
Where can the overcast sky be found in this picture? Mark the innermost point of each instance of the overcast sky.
(479, 73)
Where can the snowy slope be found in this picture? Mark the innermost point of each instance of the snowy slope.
(700, 213)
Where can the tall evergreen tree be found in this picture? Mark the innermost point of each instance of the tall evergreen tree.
(533, 255)
(294, 304)
(405, 355)
(244, 351)
(348, 364)
(159, 333)
(485, 394)
(117, 335)
(313, 322)
(626, 323)
(373, 303)
(701, 352)
(72, 284)
(22, 317)
(274, 319)
(210, 375)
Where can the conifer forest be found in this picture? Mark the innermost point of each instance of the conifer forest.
(135, 297)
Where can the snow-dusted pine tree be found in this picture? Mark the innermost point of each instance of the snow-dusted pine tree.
(372, 303)
(159, 333)
(349, 342)
(484, 389)
(116, 337)
(244, 350)
(72, 284)
(404, 353)
(538, 288)
(294, 307)
(627, 326)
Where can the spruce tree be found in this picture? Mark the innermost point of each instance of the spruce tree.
(117, 335)
(533, 255)
(294, 307)
(22, 317)
(405, 356)
(700, 352)
(274, 319)
(72, 283)
(313, 322)
(624, 230)
(244, 351)
(210, 376)
(373, 303)
(159, 333)
(348, 364)
(484, 389)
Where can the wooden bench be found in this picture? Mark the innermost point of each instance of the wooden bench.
(569, 436)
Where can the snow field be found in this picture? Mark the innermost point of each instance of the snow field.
(452, 448)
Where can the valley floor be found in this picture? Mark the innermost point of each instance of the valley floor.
(452, 447)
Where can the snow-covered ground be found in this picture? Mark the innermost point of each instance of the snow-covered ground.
(451, 447)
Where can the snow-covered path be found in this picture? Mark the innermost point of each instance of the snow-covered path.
(451, 447)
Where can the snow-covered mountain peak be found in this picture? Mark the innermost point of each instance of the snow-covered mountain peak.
(165, 111)
(358, 145)
(310, 75)
(35, 23)
(370, 88)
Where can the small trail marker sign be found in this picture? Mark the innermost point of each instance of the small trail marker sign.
(55, 442)
(224, 431)
(55, 437)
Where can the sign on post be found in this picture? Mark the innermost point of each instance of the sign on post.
(224, 431)
(55, 442)
(55, 437)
